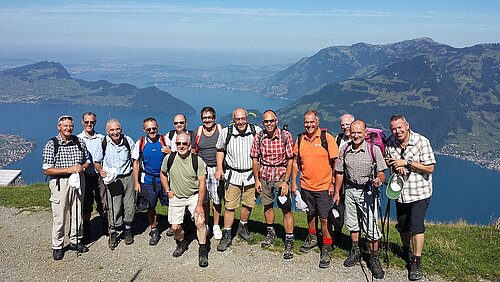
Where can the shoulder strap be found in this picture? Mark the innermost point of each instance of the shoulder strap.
(171, 134)
(104, 144)
(199, 132)
(252, 128)
(56, 145)
(283, 138)
(194, 162)
(170, 160)
(339, 138)
(260, 135)
(163, 142)
(228, 136)
(127, 145)
(142, 144)
(299, 159)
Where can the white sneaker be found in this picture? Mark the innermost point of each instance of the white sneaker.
(217, 232)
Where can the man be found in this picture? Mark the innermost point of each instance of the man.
(183, 178)
(410, 155)
(272, 155)
(345, 124)
(180, 125)
(361, 168)
(233, 156)
(316, 180)
(64, 155)
(115, 152)
(204, 145)
(94, 187)
(342, 139)
(148, 157)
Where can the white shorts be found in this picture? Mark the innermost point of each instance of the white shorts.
(177, 208)
(212, 185)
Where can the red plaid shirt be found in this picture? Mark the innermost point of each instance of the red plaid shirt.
(273, 154)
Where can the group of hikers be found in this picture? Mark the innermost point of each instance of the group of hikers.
(191, 171)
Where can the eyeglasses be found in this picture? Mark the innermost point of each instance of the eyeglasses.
(240, 119)
(208, 117)
(268, 120)
(151, 129)
(89, 122)
(179, 122)
(181, 143)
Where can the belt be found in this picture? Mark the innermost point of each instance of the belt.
(92, 174)
(123, 175)
(61, 176)
(356, 185)
(211, 166)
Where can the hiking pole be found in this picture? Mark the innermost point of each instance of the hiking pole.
(77, 226)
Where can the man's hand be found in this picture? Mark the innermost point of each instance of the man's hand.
(170, 194)
(199, 214)
(258, 186)
(331, 189)
(284, 188)
(294, 187)
(166, 150)
(336, 198)
(219, 174)
(137, 187)
(76, 168)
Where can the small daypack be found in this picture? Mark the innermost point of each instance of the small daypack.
(142, 144)
(199, 132)
(104, 144)
(171, 158)
(324, 144)
(75, 140)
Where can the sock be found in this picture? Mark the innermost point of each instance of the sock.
(127, 227)
(327, 241)
(355, 244)
(153, 229)
(243, 222)
(270, 228)
(312, 231)
(289, 236)
(227, 228)
(417, 259)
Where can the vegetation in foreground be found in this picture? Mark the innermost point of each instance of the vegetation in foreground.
(456, 251)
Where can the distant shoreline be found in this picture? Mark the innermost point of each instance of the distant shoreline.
(14, 148)
(481, 161)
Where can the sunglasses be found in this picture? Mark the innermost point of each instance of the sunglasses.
(89, 122)
(151, 129)
(268, 120)
(181, 143)
(208, 117)
(179, 122)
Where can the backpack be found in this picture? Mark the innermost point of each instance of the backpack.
(171, 134)
(339, 138)
(142, 144)
(324, 144)
(73, 138)
(199, 132)
(171, 158)
(104, 144)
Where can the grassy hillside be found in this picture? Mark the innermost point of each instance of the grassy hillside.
(457, 251)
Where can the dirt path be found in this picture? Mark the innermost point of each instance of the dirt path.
(26, 255)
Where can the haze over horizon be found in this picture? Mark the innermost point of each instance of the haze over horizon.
(280, 31)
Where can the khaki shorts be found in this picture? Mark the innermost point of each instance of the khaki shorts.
(268, 195)
(235, 193)
(178, 206)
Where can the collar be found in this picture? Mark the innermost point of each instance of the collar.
(86, 136)
(363, 147)
(276, 135)
(316, 134)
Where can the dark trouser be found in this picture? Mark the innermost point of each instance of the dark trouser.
(94, 189)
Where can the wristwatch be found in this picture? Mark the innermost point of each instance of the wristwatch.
(409, 163)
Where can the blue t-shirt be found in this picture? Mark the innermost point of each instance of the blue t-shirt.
(153, 158)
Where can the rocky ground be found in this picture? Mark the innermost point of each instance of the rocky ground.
(26, 255)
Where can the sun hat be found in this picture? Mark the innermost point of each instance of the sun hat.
(74, 182)
(300, 205)
(394, 186)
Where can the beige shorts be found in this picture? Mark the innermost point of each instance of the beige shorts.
(177, 208)
(235, 193)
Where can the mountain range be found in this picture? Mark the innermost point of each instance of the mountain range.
(50, 83)
(451, 95)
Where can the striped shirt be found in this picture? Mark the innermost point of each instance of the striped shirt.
(116, 156)
(238, 155)
(92, 143)
(68, 154)
(358, 163)
(273, 154)
(417, 185)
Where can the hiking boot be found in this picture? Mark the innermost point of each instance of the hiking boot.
(225, 241)
(81, 248)
(113, 240)
(415, 270)
(375, 267)
(217, 232)
(326, 256)
(353, 258)
(288, 254)
(155, 237)
(57, 254)
(129, 239)
(244, 232)
(169, 232)
(203, 255)
(310, 243)
(268, 241)
(182, 246)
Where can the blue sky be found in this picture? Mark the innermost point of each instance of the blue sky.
(289, 26)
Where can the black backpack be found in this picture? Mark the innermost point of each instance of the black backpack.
(171, 158)
(73, 138)
(104, 144)
(228, 138)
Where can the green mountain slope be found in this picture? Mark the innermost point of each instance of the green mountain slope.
(50, 83)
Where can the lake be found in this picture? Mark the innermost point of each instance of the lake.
(462, 190)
